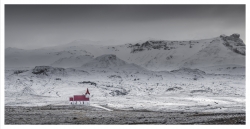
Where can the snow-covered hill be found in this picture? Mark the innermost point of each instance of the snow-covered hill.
(105, 61)
(73, 61)
(111, 62)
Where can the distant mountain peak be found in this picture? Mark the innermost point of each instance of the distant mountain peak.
(105, 61)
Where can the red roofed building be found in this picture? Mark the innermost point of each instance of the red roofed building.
(80, 99)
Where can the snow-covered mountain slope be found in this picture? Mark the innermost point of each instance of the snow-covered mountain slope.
(110, 61)
(215, 53)
(105, 61)
(156, 55)
(170, 55)
(73, 61)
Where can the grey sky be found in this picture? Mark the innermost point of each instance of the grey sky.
(35, 26)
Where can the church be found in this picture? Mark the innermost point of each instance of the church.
(80, 99)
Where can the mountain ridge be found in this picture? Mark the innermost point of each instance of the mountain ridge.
(156, 55)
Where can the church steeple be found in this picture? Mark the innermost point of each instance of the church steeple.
(87, 94)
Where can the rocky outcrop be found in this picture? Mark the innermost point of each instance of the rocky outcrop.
(234, 43)
(150, 45)
(47, 70)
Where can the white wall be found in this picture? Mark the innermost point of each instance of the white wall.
(79, 102)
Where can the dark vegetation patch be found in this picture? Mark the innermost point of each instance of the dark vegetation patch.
(20, 71)
(118, 92)
(174, 89)
(45, 70)
(114, 76)
(88, 82)
(200, 91)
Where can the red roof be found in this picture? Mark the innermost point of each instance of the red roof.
(80, 98)
(87, 92)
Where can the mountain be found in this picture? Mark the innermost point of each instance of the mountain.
(110, 61)
(171, 55)
(157, 55)
(215, 54)
(50, 56)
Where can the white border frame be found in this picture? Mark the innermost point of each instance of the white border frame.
(3, 2)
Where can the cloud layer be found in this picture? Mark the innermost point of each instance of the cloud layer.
(35, 26)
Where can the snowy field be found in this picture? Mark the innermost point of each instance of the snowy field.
(186, 90)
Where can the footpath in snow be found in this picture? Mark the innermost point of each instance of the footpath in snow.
(98, 106)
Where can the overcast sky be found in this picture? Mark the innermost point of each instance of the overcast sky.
(35, 26)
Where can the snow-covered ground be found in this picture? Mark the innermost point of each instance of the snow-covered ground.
(203, 75)
(181, 90)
